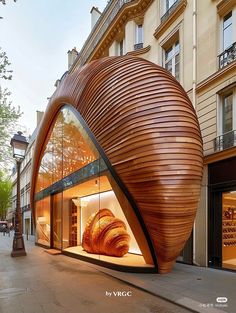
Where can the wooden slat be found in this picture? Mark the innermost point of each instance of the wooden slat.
(148, 129)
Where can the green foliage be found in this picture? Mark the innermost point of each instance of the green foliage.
(5, 73)
(5, 195)
(4, 1)
(9, 115)
(8, 118)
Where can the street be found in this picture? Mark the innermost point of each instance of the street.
(43, 283)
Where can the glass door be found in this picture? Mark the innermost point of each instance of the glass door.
(57, 221)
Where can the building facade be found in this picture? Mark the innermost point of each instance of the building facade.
(25, 176)
(196, 42)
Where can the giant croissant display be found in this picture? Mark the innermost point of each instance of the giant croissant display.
(105, 234)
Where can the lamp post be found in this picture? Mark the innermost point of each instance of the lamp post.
(19, 145)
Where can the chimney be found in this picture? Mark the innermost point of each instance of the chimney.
(95, 14)
(72, 55)
(39, 117)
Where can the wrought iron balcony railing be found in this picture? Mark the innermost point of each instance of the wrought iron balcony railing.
(170, 10)
(225, 141)
(25, 208)
(228, 56)
(138, 46)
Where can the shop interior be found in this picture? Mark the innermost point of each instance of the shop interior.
(71, 211)
(229, 230)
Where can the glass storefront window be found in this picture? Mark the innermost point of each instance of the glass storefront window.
(56, 208)
(85, 200)
(42, 218)
(50, 169)
(75, 188)
(72, 212)
(229, 230)
(78, 149)
(67, 149)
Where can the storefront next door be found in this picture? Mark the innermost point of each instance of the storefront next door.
(56, 221)
(222, 215)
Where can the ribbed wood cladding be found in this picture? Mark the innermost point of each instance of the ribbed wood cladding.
(148, 129)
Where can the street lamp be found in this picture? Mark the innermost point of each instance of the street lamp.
(19, 145)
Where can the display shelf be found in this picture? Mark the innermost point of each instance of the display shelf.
(73, 225)
(229, 232)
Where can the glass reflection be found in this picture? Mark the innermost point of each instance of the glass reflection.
(78, 149)
(56, 219)
(42, 217)
(50, 169)
(67, 150)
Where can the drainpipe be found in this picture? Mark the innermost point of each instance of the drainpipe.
(194, 83)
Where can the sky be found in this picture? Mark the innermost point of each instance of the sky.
(36, 35)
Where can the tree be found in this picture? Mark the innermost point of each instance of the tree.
(5, 195)
(4, 63)
(9, 114)
(8, 118)
(4, 1)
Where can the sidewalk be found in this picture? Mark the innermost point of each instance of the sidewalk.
(191, 287)
(43, 283)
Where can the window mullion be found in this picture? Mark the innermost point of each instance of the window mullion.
(173, 62)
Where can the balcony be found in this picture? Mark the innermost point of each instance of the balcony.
(228, 56)
(170, 10)
(25, 208)
(225, 141)
(170, 17)
(138, 46)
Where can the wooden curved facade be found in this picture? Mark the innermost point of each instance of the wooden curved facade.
(146, 125)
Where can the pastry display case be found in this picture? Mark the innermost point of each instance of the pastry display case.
(229, 230)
